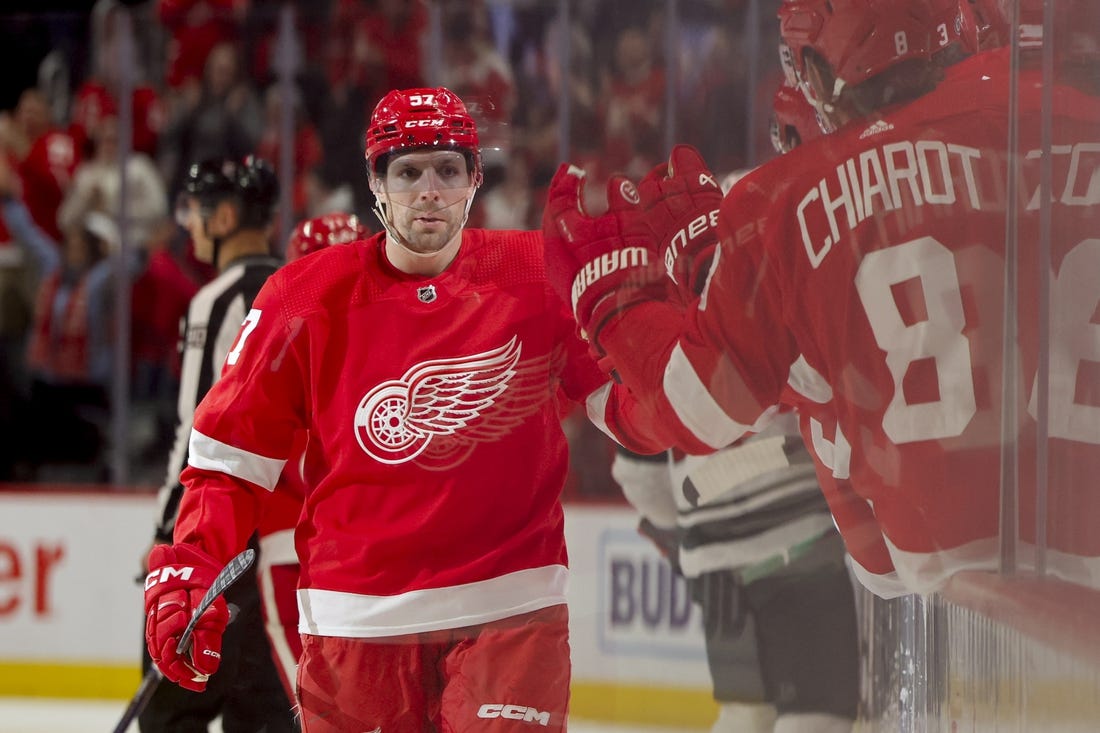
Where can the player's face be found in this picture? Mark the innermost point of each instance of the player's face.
(203, 225)
(189, 215)
(426, 194)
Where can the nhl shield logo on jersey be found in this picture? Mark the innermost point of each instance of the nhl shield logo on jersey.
(396, 420)
(426, 294)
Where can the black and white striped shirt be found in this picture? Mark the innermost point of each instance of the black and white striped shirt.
(213, 320)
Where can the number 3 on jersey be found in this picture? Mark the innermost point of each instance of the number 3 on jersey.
(247, 327)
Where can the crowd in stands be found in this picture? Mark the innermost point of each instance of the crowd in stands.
(206, 83)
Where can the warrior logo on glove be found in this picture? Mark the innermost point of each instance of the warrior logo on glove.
(607, 264)
(612, 262)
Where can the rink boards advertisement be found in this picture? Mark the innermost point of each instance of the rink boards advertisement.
(71, 606)
(70, 603)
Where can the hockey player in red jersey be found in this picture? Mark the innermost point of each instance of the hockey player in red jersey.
(860, 278)
(425, 364)
(278, 571)
(313, 235)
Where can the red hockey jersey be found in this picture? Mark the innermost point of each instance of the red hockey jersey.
(861, 278)
(435, 456)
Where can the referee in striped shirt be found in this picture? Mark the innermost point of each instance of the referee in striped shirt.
(227, 206)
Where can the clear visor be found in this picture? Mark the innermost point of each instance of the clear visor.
(822, 108)
(422, 172)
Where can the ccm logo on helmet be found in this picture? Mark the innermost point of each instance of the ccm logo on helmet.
(424, 123)
(165, 574)
(514, 712)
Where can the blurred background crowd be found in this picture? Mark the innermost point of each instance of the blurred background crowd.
(611, 84)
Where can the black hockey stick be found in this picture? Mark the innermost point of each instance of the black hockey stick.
(227, 577)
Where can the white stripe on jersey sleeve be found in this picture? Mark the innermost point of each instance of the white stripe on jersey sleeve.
(212, 455)
(695, 406)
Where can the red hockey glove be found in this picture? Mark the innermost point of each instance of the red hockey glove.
(598, 265)
(680, 210)
(179, 576)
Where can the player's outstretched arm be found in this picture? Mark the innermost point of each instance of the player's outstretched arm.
(702, 377)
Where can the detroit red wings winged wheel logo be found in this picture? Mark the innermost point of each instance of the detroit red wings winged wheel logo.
(396, 420)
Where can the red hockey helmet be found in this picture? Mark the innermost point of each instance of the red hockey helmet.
(949, 25)
(409, 119)
(315, 234)
(860, 38)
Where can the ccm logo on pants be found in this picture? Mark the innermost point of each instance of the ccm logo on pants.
(514, 712)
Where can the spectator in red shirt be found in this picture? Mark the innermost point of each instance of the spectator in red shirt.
(159, 302)
(44, 157)
(196, 27)
(97, 97)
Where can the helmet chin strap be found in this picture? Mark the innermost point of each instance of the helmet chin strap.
(217, 240)
(382, 212)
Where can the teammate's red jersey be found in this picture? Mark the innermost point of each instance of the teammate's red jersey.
(861, 278)
(435, 457)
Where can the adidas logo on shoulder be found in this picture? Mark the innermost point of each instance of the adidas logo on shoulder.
(876, 128)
